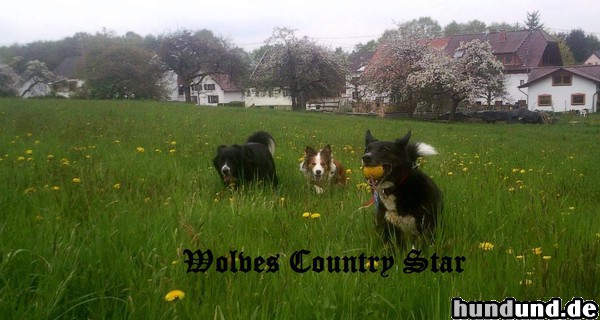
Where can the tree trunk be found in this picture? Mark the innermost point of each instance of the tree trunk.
(187, 91)
(452, 115)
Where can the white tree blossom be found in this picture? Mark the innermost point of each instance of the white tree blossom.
(300, 66)
(466, 76)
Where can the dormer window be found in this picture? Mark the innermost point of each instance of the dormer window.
(562, 80)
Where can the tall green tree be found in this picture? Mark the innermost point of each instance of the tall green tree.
(115, 68)
(194, 55)
(533, 21)
(579, 45)
(300, 66)
(424, 27)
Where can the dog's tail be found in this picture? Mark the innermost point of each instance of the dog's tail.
(264, 138)
(420, 149)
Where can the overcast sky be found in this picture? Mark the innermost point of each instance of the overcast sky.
(247, 23)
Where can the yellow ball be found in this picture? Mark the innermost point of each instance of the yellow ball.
(373, 172)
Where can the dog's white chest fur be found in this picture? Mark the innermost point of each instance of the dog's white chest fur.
(407, 223)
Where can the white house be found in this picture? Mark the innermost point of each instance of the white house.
(562, 89)
(214, 90)
(277, 98)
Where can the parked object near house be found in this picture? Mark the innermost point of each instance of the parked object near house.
(562, 89)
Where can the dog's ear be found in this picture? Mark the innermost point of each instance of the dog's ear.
(308, 151)
(403, 142)
(369, 138)
(221, 147)
(326, 150)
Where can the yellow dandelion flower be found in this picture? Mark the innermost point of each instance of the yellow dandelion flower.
(306, 215)
(140, 149)
(29, 190)
(487, 246)
(172, 151)
(375, 264)
(173, 143)
(522, 171)
(519, 257)
(511, 189)
(348, 171)
(465, 169)
(537, 250)
(21, 158)
(29, 151)
(76, 180)
(50, 157)
(526, 282)
(55, 188)
(547, 257)
(315, 215)
(174, 295)
(509, 251)
(450, 173)
(117, 186)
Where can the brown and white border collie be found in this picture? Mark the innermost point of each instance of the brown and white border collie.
(321, 169)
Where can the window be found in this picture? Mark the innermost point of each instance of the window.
(578, 99)
(561, 80)
(545, 100)
(521, 82)
(507, 59)
(209, 86)
(194, 87)
(213, 99)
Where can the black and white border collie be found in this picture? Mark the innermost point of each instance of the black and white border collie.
(321, 169)
(252, 161)
(407, 200)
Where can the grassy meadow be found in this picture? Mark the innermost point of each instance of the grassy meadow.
(99, 200)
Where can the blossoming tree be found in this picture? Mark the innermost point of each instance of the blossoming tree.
(467, 76)
(300, 66)
(393, 62)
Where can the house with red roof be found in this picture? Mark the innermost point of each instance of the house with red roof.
(519, 51)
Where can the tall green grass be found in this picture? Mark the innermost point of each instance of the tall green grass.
(99, 200)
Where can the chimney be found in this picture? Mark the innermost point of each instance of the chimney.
(502, 36)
